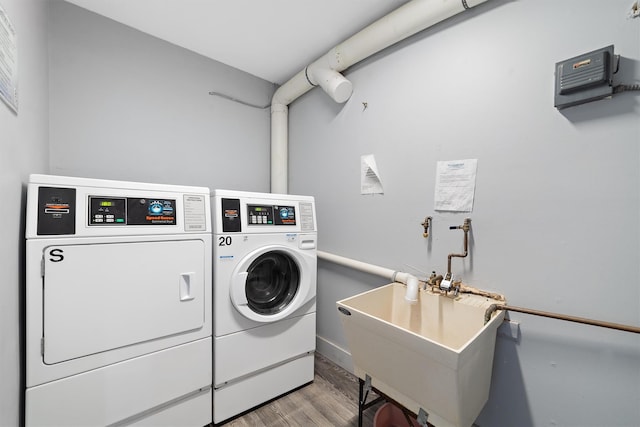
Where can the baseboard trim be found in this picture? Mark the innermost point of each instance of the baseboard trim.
(334, 353)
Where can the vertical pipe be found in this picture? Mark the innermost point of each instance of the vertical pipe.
(465, 227)
(279, 149)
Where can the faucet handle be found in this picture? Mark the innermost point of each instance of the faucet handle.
(456, 286)
(445, 285)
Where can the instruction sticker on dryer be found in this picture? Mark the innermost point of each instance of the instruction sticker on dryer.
(195, 213)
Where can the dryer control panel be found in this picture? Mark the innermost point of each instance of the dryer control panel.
(131, 211)
(85, 207)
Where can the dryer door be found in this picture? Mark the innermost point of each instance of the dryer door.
(271, 284)
(99, 297)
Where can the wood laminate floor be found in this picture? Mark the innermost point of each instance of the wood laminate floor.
(330, 400)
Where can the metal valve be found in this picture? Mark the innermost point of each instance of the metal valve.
(426, 224)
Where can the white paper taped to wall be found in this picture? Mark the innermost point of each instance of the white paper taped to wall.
(455, 185)
(8, 62)
(370, 182)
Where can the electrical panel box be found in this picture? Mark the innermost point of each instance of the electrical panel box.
(584, 78)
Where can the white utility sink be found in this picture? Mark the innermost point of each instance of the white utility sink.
(435, 355)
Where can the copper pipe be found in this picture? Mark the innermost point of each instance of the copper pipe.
(426, 223)
(465, 227)
(583, 320)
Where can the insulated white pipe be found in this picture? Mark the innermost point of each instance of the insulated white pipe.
(279, 148)
(408, 19)
(333, 83)
(376, 270)
(412, 282)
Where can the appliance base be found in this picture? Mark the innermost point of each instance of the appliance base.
(251, 391)
(132, 392)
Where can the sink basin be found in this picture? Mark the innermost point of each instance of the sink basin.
(435, 355)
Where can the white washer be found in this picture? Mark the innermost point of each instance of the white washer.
(118, 303)
(265, 268)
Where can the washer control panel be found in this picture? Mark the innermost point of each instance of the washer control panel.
(271, 215)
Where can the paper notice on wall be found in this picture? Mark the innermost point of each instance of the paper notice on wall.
(455, 185)
(8, 62)
(370, 182)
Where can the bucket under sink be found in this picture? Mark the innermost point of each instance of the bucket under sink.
(435, 355)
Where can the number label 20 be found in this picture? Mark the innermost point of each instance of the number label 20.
(224, 240)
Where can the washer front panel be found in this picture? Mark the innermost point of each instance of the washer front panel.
(238, 244)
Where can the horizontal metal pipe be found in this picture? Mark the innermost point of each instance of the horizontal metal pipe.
(568, 318)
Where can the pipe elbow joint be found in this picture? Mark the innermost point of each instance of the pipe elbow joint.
(331, 81)
(490, 310)
(412, 289)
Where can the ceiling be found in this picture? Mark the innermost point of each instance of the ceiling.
(271, 39)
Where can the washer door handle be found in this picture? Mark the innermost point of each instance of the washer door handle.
(184, 283)
(238, 294)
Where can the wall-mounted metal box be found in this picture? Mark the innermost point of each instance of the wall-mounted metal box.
(584, 78)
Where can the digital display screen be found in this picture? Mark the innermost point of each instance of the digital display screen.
(105, 211)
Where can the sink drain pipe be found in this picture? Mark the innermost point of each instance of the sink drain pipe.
(376, 270)
(410, 280)
(405, 21)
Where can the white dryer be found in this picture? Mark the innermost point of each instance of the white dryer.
(118, 303)
(265, 269)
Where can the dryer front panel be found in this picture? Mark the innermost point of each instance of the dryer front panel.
(100, 297)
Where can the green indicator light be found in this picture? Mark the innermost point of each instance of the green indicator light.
(106, 203)
(119, 219)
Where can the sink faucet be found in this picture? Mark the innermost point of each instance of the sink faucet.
(464, 227)
(446, 283)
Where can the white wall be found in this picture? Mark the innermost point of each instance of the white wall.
(23, 150)
(125, 105)
(122, 105)
(555, 220)
(557, 202)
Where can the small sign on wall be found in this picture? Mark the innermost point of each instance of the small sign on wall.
(370, 182)
(8, 62)
(455, 185)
